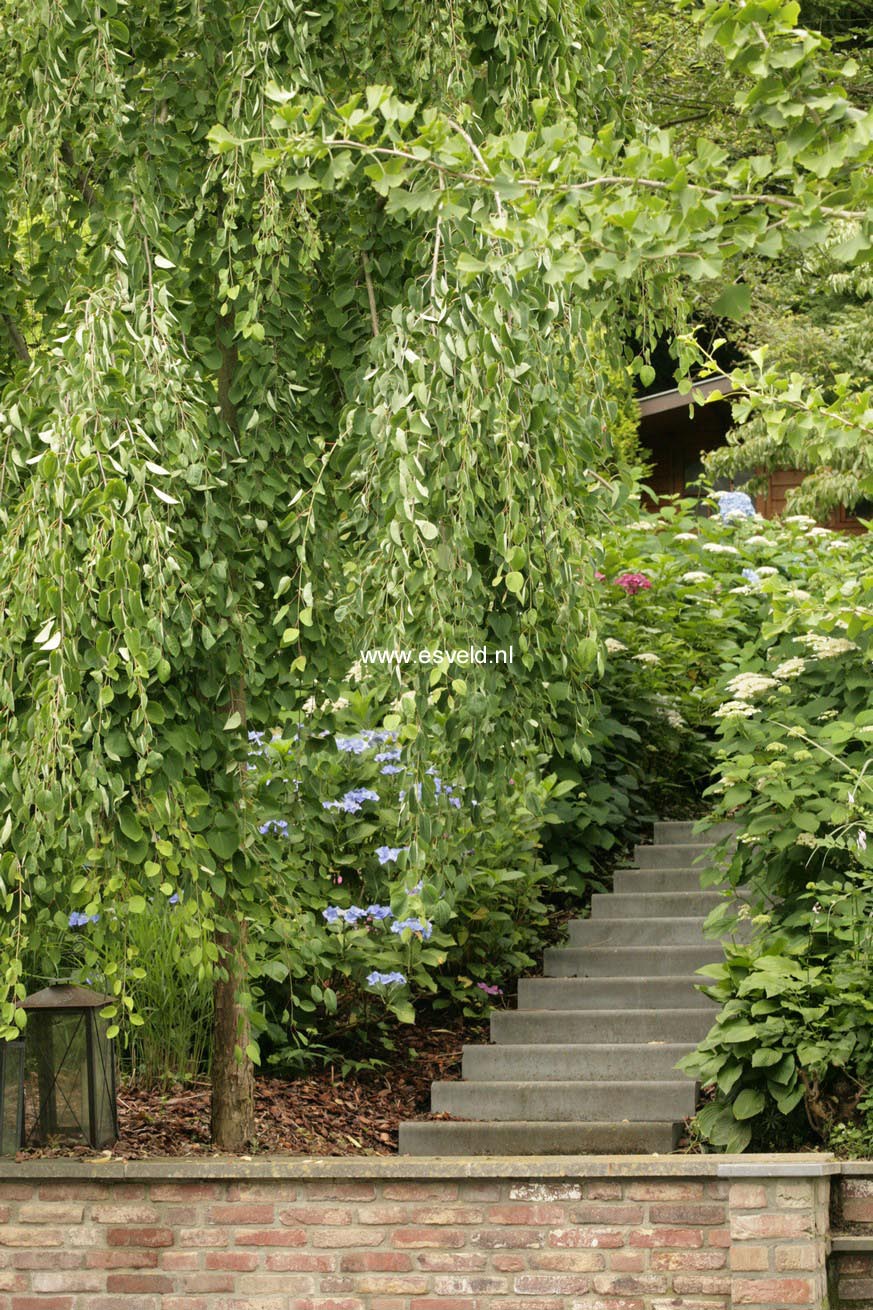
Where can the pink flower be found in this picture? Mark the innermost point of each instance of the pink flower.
(600, 577)
(490, 991)
(633, 582)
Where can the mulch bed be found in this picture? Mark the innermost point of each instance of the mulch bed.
(322, 1114)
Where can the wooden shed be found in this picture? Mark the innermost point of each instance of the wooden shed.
(676, 437)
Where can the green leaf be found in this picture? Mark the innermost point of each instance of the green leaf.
(234, 721)
(749, 1103)
(514, 582)
(136, 904)
(734, 301)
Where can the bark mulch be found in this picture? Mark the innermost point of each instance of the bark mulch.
(320, 1114)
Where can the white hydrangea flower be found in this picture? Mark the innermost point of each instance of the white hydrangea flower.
(819, 531)
(796, 593)
(742, 590)
(826, 647)
(355, 672)
(695, 577)
(734, 709)
(791, 668)
(799, 518)
(745, 686)
(647, 657)
(340, 703)
(766, 571)
(310, 706)
(613, 646)
(720, 548)
(805, 839)
(758, 540)
(776, 748)
(685, 536)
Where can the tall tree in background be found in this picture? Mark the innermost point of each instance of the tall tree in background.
(289, 373)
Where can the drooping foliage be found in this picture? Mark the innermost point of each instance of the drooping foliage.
(304, 312)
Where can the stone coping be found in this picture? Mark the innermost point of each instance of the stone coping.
(388, 1168)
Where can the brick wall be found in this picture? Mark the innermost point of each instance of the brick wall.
(682, 1233)
(851, 1264)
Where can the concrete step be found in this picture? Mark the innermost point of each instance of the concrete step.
(653, 905)
(612, 994)
(528, 1027)
(635, 932)
(629, 961)
(663, 1100)
(445, 1137)
(673, 832)
(563, 1063)
(657, 880)
(681, 855)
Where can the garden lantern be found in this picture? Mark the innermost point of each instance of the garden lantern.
(11, 1096)
(69, 1086)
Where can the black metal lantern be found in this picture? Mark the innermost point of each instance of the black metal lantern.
(69, 1086)
(11, 1096)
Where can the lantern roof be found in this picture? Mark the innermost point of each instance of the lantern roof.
(66, 996)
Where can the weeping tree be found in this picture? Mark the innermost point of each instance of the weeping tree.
(306, 316)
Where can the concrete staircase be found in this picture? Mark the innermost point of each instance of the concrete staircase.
(586, 1064)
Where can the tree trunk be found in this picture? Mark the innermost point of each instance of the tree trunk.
(233, 1080)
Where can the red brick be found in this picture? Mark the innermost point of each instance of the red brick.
(340, 1191)
(12, 1235)
(780, 1291)
(551, 1284)
(121, 1259)
(631, 1262)
(187, 1192)
(604, 1237)
(49, 1259)
(509, 1264)
(184, 1303)
(295, 1262)
(451, 1262)
(684, 1237)
(748, 1196)
(69, 1280)
(687, 1214)
(468, 1285)
(16, 1191)
(576, 1262)
(529, 1215)
(345, 1237)
(387, 1285)
(702, 1284)
(312, 1303)
(603, 1191)
(242, 1261)
(271, 1237)
(139, 1283)
(770, 1225)
(684, 1260)
(545, 1192)
(232, 1214)
(125, 1214)
(11, 1282)
(413, 1237)
(42, 1303)
(139, 1237)
(204, 1237)
(439, 1303)
(420, 1191)
(607, 1214)
(179, 1261)
(658, 1191)
(513, 1239)
(212, 1282)
(319, 1214)
(378, 1261)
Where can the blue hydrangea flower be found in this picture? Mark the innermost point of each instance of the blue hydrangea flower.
(414, 925)
(352, 801)
(391, 768)
(78, 920)
(376, 979)
(353, 914)
(456, 801)
(379, 912)
(174, 899)
(256, 736)
(332, 913)
(353, 745)
(386, 854)
(751, 576)
(735, 505)
(278, 826)
(414, 891)
(392, 754)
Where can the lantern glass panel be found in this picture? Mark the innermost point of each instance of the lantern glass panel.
(57, 1100)
(11, 1095)
(105, 1125)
